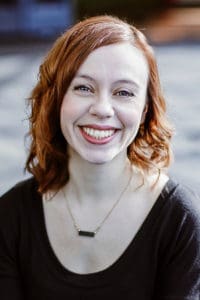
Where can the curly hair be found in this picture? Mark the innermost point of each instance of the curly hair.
(48, 156)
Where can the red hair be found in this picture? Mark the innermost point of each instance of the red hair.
(48, 158)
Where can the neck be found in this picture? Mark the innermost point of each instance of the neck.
(94, 181)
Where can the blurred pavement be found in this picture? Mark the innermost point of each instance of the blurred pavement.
(179, 67)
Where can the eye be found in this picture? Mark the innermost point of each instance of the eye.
(83, 88)
(124, 93)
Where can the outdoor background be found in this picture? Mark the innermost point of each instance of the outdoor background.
(28, 29)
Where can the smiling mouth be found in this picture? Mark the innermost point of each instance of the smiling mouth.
(98, 135)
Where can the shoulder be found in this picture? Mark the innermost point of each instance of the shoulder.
(19, 195)
(15, 218)
(179, 245)
(20, 187)
(182, 200)
(180, 216)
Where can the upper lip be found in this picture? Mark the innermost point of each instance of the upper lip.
(100, 127)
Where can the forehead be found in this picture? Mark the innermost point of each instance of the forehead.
(116, 60)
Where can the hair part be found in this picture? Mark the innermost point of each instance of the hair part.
(48, 154)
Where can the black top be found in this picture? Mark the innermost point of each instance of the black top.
(161, 262)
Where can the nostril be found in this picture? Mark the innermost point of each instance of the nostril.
(102, 110)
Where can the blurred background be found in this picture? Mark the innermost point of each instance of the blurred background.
(27, 31)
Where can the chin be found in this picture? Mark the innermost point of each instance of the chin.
(98, 159)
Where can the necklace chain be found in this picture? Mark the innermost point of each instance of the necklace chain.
(93, 233)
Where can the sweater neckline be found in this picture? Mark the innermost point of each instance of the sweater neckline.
(103, 276)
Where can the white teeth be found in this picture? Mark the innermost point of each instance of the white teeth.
(98, 134)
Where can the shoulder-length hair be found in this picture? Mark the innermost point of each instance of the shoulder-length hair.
(48, 156)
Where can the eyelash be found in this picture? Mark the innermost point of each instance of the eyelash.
(124, 93)
(82, 88)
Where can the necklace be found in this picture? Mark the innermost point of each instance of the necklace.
(93, 233)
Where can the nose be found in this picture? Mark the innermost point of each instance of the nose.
(102, 107)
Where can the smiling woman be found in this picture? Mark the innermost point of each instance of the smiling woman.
(100, 216)
(49, 152)
(104, 105)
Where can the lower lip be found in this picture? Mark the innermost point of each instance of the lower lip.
(92, 140)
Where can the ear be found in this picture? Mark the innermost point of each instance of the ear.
(144, 114)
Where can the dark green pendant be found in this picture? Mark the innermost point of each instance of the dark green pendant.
(86, 233)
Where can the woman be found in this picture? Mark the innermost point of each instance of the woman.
(100, 217)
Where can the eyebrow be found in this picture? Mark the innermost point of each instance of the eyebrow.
(121, 81)
(128, 81)
(85, 77)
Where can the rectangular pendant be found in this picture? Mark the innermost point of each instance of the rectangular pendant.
(86, 233)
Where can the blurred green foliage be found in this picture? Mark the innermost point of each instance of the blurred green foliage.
(131, 10)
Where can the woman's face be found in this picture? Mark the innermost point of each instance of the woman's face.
(104, 105)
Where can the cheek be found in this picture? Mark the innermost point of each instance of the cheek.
(69, 111)
(66, 117)
(130, 118)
